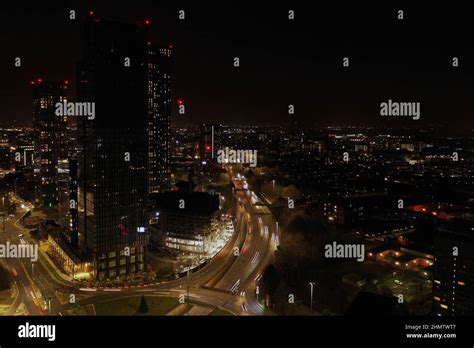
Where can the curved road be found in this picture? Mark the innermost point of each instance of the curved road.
(228, 281)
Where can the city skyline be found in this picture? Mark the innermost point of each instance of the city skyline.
(242, 160)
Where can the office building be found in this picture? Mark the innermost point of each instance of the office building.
(453, 279)
(50, 140)
(112, 153)
(159, 117)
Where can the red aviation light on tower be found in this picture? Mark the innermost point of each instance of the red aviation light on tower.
(91, 13)
(180, 102)
(39, 80)
(147, 21)
(66, 82)
(32, 82)
(207, 148)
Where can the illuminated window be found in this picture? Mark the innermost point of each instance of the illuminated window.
(444, 306)
(437, 298)
(461, 283)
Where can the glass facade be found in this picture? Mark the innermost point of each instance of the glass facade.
(113, 147)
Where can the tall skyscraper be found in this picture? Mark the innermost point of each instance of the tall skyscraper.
(68, 208)
(453, 278)
(210, 141)
(67, 183)
(159, 117)
(50, 139)
(113, 147)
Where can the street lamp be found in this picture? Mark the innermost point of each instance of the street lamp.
(277, 236)
(187, 290)
(49, 304)
(312, 284)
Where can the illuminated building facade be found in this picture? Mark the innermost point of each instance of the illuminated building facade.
(453, 279)
(72, 263)
(113, 148)
(159, 117)
(68, 206)
(50, 139)
(192, 228)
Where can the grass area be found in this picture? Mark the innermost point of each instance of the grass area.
(129, 306)
(81, 310)
(220, 312)
(270, 312)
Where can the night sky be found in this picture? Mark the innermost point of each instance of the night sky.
(282, 62)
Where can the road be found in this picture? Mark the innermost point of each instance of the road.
(228, 281)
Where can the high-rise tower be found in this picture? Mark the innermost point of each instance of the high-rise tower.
(113, 147)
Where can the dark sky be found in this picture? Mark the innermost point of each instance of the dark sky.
(282, 62)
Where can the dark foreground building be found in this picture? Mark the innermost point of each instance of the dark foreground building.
(113, 147)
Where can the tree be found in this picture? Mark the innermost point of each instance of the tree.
(270, 280)
(291, 191)
(143, 307)
(224, 178)
(271, 191)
